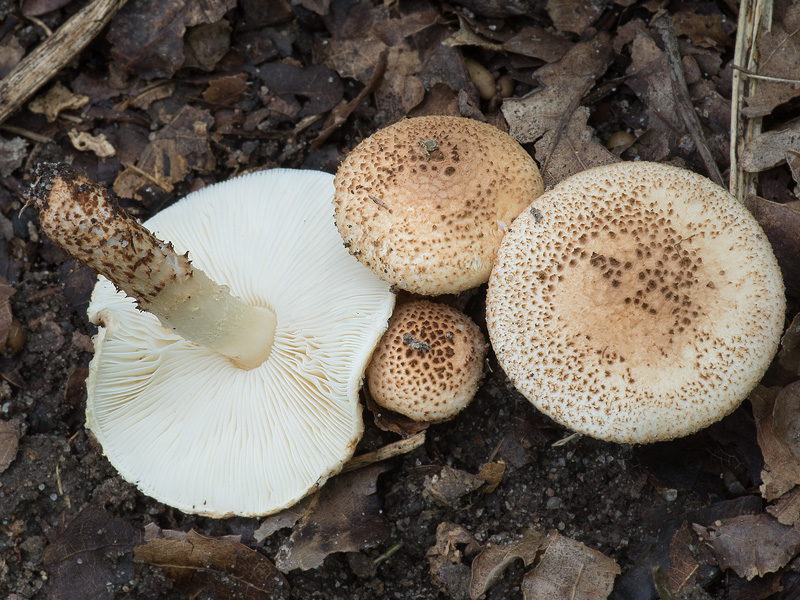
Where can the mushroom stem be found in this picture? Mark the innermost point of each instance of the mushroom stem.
(80, 218)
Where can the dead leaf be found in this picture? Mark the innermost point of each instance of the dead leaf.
(786, 509)
(751, 545)
(206, 44)
(771, 149)
(499, 552)
(705, 30)
(222, 567)
(179, 147)
(568, 569)
(319, 86)
(13, 153)
(786, 417)
(492, 475)
(781, 224)
(6, 316)
(86, 142)
(448, 486)
(453, 544)
(147, 35)
(553, 118)
(538, 42)
(344, 516)
(286, 518)
(11, 52)
(80, 560)
(779, 56)
(682, 563)
(226, 90)
(37, 8)
(781, 470)
(575, 16)
(10, 432)
(789, 354)
(56, 99)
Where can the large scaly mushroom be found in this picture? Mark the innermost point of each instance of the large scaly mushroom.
(635, 302)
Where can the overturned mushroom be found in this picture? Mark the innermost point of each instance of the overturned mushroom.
(425, 202)
(429, 363)
(635, 302)
(214, 427)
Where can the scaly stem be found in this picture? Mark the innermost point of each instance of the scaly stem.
(79, 217)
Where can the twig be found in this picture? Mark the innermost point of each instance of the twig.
(388, 451)
(764, 77)
(745, 62)
(50, 56)
(663, 23)
(31, 135)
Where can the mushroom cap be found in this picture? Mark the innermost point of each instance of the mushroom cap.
(185, 424)
(425, 202)
(635, 302)
(429, 363)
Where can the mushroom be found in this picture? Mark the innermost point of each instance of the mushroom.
(194, 425)
(429, 363)
(425, 202)
(635, 302)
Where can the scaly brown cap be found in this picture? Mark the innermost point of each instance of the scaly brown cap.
(635, 302)
(425, 202)
(429, 363)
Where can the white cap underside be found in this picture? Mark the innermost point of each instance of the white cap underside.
(190, 428)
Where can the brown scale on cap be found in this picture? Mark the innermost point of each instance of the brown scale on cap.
(429, 363)
(425, 202)
(642, 304)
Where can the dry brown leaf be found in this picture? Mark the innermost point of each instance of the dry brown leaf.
(499, 552)
(320, 86)
(13, 153)
(37, 8)
(781, 470)
(786, 508)
(10, 432)
(226, 90)
(286, 518)
(6, 316)
(682, 563)
(705, 30)
(86, 142)
(568, 569)
(448, 486)
(492, 475)
(56, 99)
(781, 224)
(353, 58)
(11, 52)
(771, 149)
(80, 561)
(553, 118)
(206, 44)
(225, 568)
(182, 145)
(538, 42)
(453, 544)
(751, 545)
(344, 516)
(779, 56)
(147, 35)
(789, 354)
(575, 16)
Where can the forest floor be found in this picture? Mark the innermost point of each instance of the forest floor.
(172, 96)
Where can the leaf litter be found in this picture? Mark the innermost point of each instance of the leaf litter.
(173, 96)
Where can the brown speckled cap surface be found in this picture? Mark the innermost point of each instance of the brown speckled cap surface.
(425, 202)
(635, 302)
(429, 363)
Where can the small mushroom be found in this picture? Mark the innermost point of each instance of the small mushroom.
(635, 302)
(193, 425)
(425, 202)
(429, 363)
